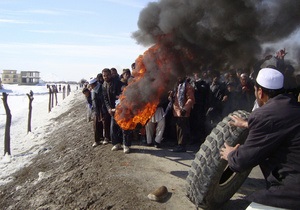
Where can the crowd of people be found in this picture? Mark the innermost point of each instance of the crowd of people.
(187, 114)
(102, 94)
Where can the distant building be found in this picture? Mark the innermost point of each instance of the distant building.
(29, 77)
(24, 78)
(10, 77)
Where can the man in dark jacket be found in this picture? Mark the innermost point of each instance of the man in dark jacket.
(112, 88)
(101, 117)
(218, 95)
(273, 143)
(198, 112)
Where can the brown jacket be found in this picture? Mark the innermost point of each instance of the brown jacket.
(189, 101)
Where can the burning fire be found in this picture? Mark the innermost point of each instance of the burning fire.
(140, 98)
(141, 117)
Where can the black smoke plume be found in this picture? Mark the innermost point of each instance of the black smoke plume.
(221, 31)
(207, 34)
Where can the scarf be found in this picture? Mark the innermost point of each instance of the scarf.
(181, 94)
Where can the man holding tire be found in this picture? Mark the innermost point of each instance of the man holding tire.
(273, 143)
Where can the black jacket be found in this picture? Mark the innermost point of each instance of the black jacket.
(274, 144)
(110, 92)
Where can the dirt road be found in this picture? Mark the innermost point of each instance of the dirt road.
(69, 174)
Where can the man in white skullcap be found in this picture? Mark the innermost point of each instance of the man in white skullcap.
(273, 143)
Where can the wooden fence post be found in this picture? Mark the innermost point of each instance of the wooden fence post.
(52, 97)
(7, 125)
(64, 92)
(30, 97)
(68, 89)
(50, 94)
(55, 91)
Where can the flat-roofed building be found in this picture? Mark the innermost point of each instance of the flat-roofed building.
(29, 77)
(10, 77)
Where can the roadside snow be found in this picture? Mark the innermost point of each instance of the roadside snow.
(25, 146)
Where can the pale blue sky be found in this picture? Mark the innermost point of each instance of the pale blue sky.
(68, 39)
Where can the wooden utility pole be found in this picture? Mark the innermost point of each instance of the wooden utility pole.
(30, 97)
(7, 125)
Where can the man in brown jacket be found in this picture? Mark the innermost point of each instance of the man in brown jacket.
(183, 101)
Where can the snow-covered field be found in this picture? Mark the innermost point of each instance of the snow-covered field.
(24, 146)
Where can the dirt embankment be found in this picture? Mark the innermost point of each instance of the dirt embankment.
(69, 174)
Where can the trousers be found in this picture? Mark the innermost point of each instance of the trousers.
(158, 132)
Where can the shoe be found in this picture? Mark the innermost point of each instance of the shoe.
(116, 147)
(95, 144)
(157, 145)
(126, 149)
(105, 141)
(149, 145)
(179, 149)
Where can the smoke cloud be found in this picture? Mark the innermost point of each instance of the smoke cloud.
(204, 34)
(223, 31)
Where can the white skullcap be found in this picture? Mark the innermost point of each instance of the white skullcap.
(270, 79)
(93, 80)
(244, 75)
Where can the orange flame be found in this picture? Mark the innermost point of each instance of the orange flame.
(155, 71)
(141, 117)
(132, 109)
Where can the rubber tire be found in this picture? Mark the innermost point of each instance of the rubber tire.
(210, 183)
